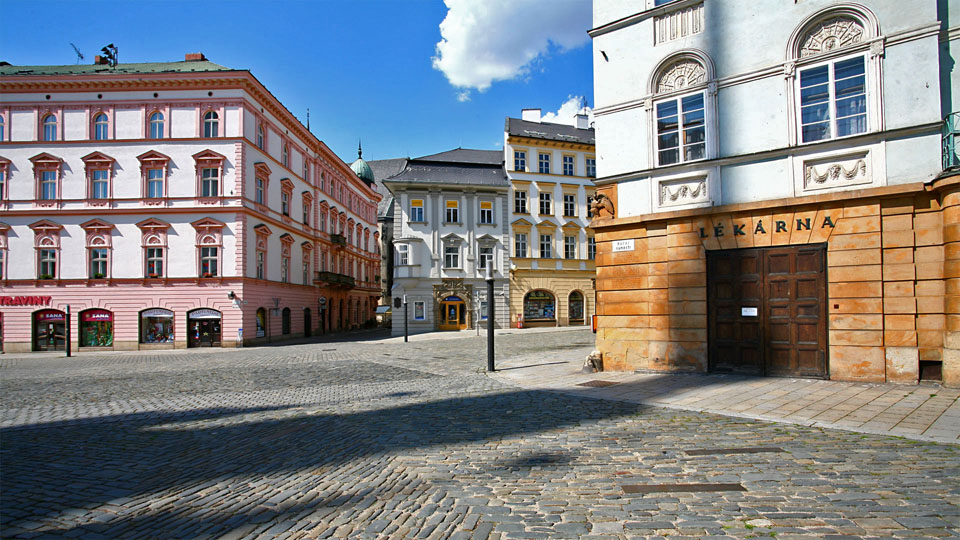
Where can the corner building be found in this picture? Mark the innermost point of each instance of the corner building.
(172, 205)
(551, 169)
(780, 202)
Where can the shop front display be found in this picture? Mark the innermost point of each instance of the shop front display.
(576, 308)
(49, 330)
(203, 328)
(96, 328)
(453, 313)
(156, 326)
(539, 307)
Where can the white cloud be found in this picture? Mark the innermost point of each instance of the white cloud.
(484, 41)
(567, 112)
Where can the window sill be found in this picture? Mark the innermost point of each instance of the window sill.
(486, 224)
(453, 223)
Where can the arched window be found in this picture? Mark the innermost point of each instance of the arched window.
(260, 137)
(156, 125)
(261, 322)
(211, 124)
(539, 306)
(285, 327)
(285, 155)
(682, 110)
(834, 64)
(575, 307)
(100, 127)
(50, 127)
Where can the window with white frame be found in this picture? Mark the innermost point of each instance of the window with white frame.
(485, 256)
(285, 155)
(260, 137)
(307, 207)
(306, 270)
(591, 248)
(98, 262)
(591, 167)
(451, 256)
(403, 254)
(520, 245)
(569, 247)
(211, 125)
(50, 127)
(209, 258)
(416, 210)
(520, 202)
(569, 205)
(101, 126)
(546, 246)
(546, 203)
(99, 184)
(153, 258)
(209, 182)
(48, 185)
(486, 212)
(285, 267)
(260, 191)
(47, 263)
(155, 182)
(156, 125)
(285, 203)
(833, 99)
(452, 214)
(519, 160)
(569, 165)
(681, 129)
(261, 264)
(544, 163)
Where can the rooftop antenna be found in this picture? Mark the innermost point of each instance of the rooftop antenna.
(111, 54)
(79, 54)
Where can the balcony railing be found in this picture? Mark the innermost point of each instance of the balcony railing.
(333, 279)
(951, 136)
(338, 239)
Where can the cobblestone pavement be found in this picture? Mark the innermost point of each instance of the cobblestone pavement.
(388, 439)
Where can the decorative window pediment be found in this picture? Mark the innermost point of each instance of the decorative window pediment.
(207, 224)
(684, 73)
(306, 245)
(286, 238)
(521, 223)
(98, 225)
(286, 184)
(98, 159)
(262, 169)
(46, 161)
(830, 34)
(209, 158)
(153, 224)
(45, 226)
(153, 158)
(263, 230)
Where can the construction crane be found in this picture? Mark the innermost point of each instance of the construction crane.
(79, 54)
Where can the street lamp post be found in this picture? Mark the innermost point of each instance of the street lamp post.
(490, 311)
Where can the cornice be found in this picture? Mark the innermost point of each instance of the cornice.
(531, 141)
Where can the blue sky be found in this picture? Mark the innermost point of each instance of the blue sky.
(364, 68)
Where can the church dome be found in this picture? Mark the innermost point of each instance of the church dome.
(361, 168)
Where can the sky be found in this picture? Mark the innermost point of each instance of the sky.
(407, 77)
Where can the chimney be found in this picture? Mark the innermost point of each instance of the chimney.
(100, 60)
(194, 57)
(530, 115)
(583, 121)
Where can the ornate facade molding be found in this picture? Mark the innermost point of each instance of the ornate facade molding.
(681, 74)
(831, 34)
(681, 192)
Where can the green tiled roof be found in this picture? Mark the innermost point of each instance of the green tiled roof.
(194, 66)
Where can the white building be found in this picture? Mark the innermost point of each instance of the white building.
(170, 205)
(551, 169)
(450, 218)
(774, 173)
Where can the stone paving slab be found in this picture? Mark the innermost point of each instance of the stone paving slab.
(381, 439)
(922, 412)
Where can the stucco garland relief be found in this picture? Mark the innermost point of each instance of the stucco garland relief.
(845, 171)
(831, 34)
(680, 75)
(681, 192)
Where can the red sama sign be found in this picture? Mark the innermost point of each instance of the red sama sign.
(25, 300)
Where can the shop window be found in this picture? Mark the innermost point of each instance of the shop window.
(575, 304)
(96, 328)
(539, 306)
(156, 326)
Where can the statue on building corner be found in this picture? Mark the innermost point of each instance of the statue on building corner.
(601, 203)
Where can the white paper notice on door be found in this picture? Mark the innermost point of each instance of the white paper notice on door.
(748, 312)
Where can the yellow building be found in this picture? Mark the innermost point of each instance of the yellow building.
(551, 169)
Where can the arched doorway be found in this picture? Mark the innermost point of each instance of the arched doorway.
(203, 328)
(49, 330)
(453, 313)
(261, 322)
(157, 328)
(539, 309)
(285, 321)
(307, 322)
(575, 309)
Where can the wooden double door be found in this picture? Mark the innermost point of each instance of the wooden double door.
(767, 311)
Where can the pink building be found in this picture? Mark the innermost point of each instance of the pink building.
(172, 205)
